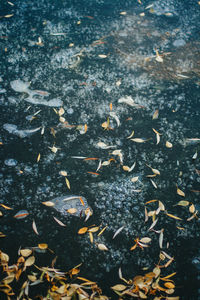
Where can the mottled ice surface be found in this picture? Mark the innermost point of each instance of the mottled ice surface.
(62, 82)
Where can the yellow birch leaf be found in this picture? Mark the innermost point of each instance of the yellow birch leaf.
(183, 203)
(67, 183)
(102, 247)
(72, 210)
(38, 157)
(91, 237)
(118, 287)
(172, 216)
(155, 115)
(30, 261)
(192, 208)
(179, 192)
(25, 252)
(48, 203)
(168, 144)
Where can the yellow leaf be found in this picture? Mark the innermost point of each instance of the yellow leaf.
(8, 16)
(30, 261)
(192, 208)
(179, 192)
(5, 206)
(126, 168)
(155, 115)
(91, 237)
(134, 179)
(42, 246)
(38, 158)
(102, 247)
(145, 240)
(102, 231)
(48, 203)
(169, 285)
(183, 203)
(83, 230)
(61, 111)
(174, 217)
(138, 140)
(102, 55)
(72, 210)
(93, 229)
(67, 183)
(118, 287)
(25, 252)
(168, 144)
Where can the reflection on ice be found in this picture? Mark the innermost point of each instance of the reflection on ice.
(22, 133)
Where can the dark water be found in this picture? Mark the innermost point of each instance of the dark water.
(55, 46)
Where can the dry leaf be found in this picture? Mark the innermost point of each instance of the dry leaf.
(168, 144)
(72, 210)
(179, 192)
(30, 261)
(183, 203)
(155, 115)
(118, 287)
(59, 222)
(102, 247)
(102, 55)
(25, 252)
(34, 227)
(145, 240)
(38, 157)
(48, 203)
(83, 230)
(67, 183)
(43, 246)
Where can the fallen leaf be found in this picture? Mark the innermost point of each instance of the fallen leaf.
(118, 287)
(38, 157)
(30, 261)
(168, 144)
(42, 246)
(5, 206)
(67, 183)
(83, 230)
(155, 115)
(183, 203)
(72, 210)
(34, 227)
(26, 252)
(48, 203)
(172, 216)
(179, 192)
(102, 247)
(21, 214)
(59, 222)
(102, 55)
(118, 231)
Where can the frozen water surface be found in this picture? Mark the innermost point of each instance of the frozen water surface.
(68, 85)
